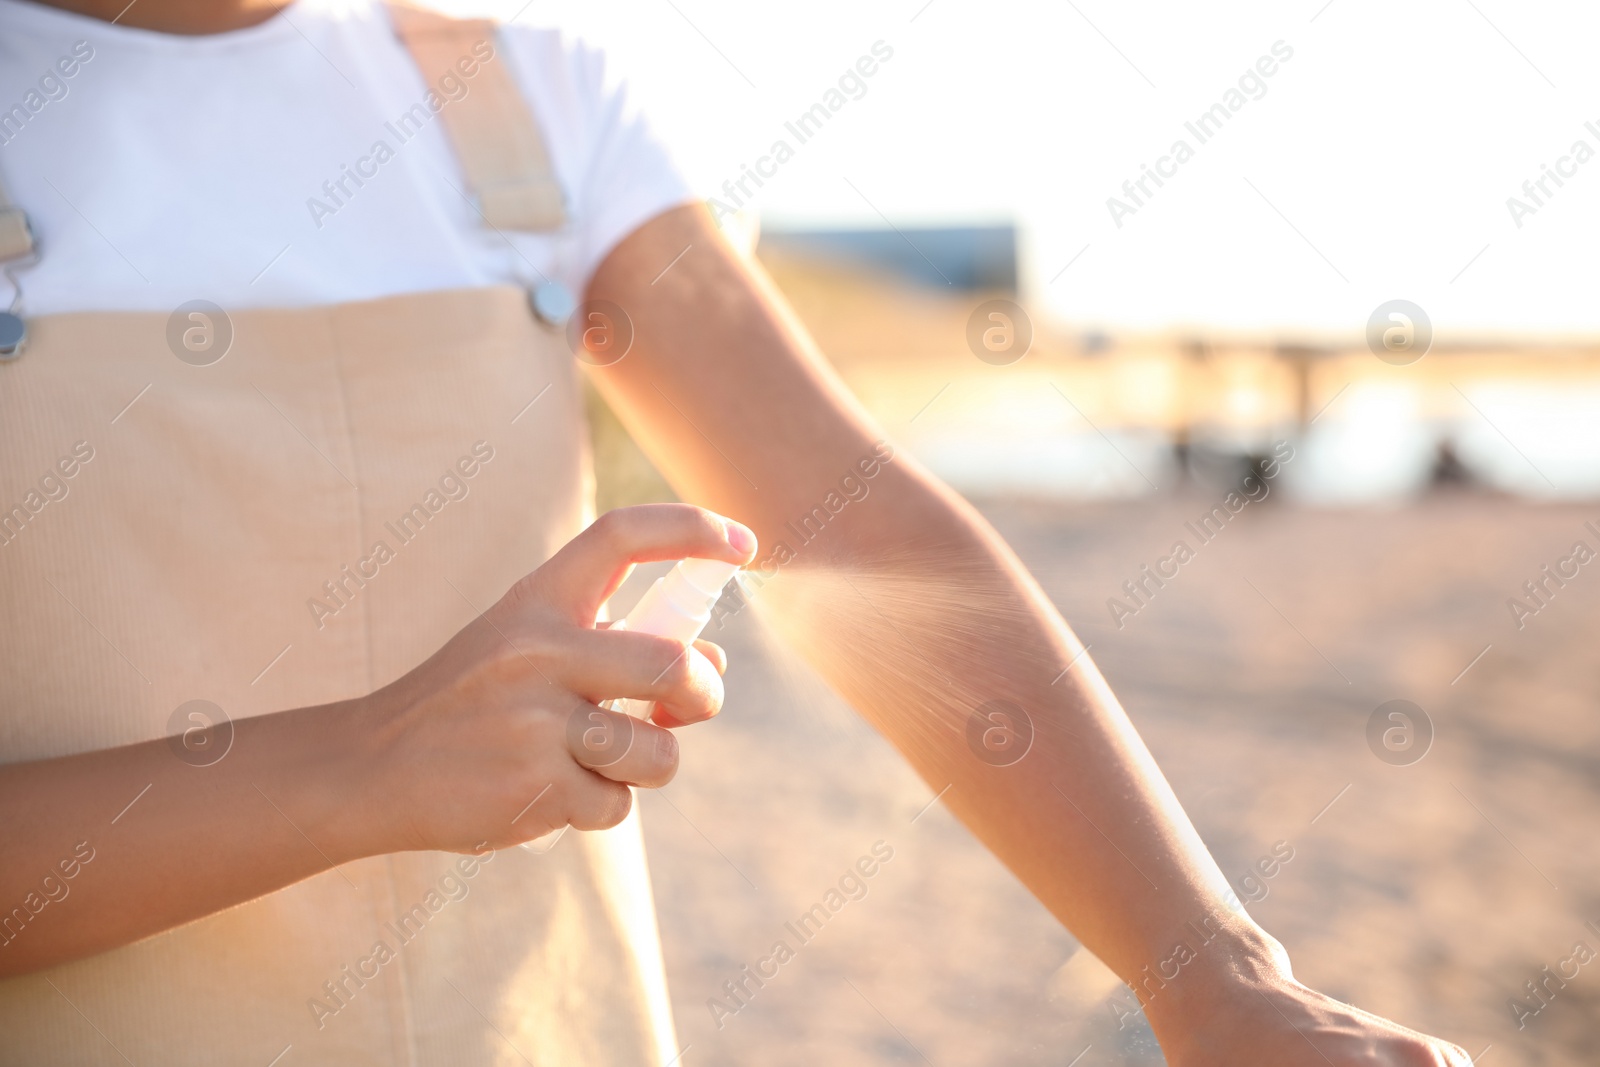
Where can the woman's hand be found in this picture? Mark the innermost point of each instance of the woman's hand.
(1293, 1026)
(495, 740)
(1249, 1009)
(498, 738)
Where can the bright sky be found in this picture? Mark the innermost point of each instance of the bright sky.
(1376, 166)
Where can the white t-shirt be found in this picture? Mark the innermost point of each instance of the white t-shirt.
(170, 168)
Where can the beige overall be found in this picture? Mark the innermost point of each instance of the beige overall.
(217, 539)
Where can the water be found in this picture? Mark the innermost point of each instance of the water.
(1378, 443)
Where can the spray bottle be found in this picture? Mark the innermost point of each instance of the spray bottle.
(678, 605)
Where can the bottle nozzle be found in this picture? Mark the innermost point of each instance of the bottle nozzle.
(677, 605)
(707, 575)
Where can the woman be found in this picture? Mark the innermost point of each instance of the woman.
(264, 674)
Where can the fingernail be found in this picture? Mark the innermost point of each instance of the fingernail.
(740, 537)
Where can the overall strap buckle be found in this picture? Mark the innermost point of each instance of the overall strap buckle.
(16, 236)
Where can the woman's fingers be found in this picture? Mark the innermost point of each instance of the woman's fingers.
(713, 652)
(590, 802)
(549, 618)
(588, 569)
(602, 665)
(621, 748)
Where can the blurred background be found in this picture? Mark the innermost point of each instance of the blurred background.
(1153, 354)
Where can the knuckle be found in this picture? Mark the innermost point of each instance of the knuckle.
(567, 799)
(665, 753)
(539, 641)
(552, 718)
(507, 665)
(670, 665)
(599, 739)
(1420, 1052)
(542, 819)
(708, 524)
(712, 700)
(612, 528)
(612, 806)
(502, 662)
(524, 592)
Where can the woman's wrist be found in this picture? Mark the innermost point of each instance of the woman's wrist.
(328, 778)
(1224, 963)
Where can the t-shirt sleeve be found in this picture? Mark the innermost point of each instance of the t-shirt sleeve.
(616, 172)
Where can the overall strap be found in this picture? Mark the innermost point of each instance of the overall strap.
(16, 239)
(495, 134)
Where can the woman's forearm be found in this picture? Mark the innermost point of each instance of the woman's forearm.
(104, 848)
(915, 611)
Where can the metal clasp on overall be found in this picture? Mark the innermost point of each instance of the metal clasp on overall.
(17, 249)
(552, 304)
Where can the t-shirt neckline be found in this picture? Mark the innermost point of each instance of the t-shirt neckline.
(59, 23)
